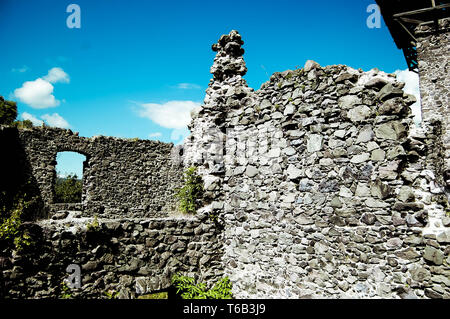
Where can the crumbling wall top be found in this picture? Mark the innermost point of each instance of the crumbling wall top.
(228, 61)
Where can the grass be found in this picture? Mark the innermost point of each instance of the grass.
(157, 295)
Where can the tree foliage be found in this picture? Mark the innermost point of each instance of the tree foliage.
(68, 189)
(8, 115)
(8, 111)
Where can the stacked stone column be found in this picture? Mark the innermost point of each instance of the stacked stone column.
(433, 47)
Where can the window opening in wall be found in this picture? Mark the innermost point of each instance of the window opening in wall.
(69, 177)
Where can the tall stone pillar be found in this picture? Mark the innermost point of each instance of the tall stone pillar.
(205, 147)
(433, 51)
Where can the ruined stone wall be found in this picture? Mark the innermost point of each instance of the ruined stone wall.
(326, 185)
(121, 177)
(140, 241)
(316, 185)
(124, 256)
(433, 47)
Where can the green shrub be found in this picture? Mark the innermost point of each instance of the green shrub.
(23, 124)
(8, 111)
(10, 227)
(68, 189)
(188, 289)
(189, 196)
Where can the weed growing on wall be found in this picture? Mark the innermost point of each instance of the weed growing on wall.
(111, 294)
(94, 225)
(187, 288)
(11, 231)
(65, 291)
(189, 195)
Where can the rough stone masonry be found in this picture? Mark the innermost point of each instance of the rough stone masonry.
(328, 188)
(322, 184)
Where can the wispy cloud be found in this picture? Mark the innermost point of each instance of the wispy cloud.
(411, 80)
(23, 69)
(179, 135)
(155, 135)
(32, 118)
(188, 86)
(265, 70)
(39, 93)
(172, 114)
(57, 75)
(55, 120)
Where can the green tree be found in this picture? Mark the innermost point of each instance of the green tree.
(8, 111)
(68, 189)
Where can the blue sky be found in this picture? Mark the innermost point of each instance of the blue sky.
(135, 68)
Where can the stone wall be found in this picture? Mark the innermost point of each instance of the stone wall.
(316, 185)
(131, 257)
(327, 185)
(121, 177)
(129, 186)
(434, 69)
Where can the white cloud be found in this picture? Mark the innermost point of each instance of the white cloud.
(57, 75)
(178, 135)
(55, 120)
(155, 135)
(32, 118)
(411, 80)
(173, 114)
(38, 94)
(188, 86)
(23, 69)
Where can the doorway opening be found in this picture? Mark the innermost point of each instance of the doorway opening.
(68, 187)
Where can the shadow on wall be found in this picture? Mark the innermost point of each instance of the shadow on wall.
(17, 180)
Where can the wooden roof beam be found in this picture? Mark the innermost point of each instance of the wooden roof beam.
(409, 20)
(419, 11)
(406, 29)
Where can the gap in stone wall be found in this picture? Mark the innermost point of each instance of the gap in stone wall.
(69, 174)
